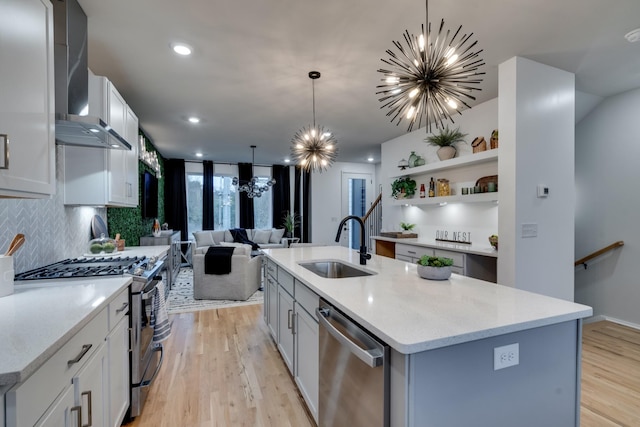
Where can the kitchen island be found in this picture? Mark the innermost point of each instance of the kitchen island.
(443, 335)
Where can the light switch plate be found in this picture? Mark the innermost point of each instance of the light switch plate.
(529, 230)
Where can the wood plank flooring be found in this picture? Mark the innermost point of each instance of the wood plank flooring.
(223, 369)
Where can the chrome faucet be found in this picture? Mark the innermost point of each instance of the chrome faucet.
(364, 256)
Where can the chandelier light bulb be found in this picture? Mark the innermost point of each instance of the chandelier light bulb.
(452, 103)
(421, 42)
(413, 93)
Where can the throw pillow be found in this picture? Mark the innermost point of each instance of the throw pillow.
(218, 236)
(228, 237)
(276, 235)
(203, 238)
(261, 236)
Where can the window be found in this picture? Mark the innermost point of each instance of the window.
(262, 206)
(225, 200)
(194, 202)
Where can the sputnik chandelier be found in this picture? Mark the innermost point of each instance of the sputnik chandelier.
(431, 77)
(253, 187)
(312, 147)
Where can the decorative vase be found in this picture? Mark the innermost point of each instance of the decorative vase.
(412, 159)
(434, 273)
(155, 229)
(447, 152)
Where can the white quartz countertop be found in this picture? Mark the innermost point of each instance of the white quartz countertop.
(41, 316)
(413, 314)
(476, 249)
(159, 251)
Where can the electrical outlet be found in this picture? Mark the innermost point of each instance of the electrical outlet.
(506, 356)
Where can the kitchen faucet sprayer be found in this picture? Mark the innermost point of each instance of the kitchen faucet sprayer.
(364, 256)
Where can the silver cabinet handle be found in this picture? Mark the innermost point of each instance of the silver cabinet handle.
(412, 252)
(289, 319)
(78, 409)
(5, 141)
(123, 308)
(80, 355)
(366, 356)
(89, 407)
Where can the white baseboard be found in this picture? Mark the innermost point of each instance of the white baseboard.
(601, 317)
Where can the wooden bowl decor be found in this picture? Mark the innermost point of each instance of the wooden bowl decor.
(434, 268)
(493, 240)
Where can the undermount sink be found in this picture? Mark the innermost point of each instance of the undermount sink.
(334, 269)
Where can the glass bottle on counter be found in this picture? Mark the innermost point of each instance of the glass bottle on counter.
(432, 188)
(422, 193)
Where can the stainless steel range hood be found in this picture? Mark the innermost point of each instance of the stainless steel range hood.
(74, 125)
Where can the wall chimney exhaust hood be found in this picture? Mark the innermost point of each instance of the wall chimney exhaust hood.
(74, 125)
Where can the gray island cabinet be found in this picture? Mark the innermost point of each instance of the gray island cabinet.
(447, 337)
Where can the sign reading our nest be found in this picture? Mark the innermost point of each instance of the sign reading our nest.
(454, 236)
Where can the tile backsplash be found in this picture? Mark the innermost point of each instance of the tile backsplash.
(52, 231)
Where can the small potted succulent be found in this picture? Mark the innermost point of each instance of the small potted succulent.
(434, 268)
(403, 188)
(446, 140)
(406, 227)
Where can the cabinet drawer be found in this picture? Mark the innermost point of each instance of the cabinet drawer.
(307, 298)
(118, 308)
(406, 258)
(412, 251)
(272, 269)
(285, 280)
(457, 257)
(457, 270)
(27, 402)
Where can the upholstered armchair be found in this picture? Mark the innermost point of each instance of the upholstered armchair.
(242, 282)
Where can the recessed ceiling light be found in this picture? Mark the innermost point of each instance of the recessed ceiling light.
(370, 159)
(198, 154)
(94, 130)
(193, 120)
(287, 160)
(633, 36)
(182, 49)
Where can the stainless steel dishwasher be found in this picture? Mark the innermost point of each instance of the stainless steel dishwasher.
(354, 373)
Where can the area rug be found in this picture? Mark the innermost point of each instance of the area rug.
(180, 299)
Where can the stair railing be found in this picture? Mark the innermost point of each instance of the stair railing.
(597, 253)
(373, 219)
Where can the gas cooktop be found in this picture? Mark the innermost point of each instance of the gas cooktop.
(84, 267)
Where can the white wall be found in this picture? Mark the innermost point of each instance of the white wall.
(607, 156)
(481, 219)
(536, 118)
(326, 197)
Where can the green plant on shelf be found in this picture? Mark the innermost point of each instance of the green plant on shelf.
(406, 226)
(447, 137)
(403, 187)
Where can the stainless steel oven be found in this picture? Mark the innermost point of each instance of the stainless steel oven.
(146, 358)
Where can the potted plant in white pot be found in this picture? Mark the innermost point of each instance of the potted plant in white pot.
(434, 268)
(446, 140)
(406, 227)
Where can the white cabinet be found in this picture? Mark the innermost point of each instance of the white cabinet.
(89, 388)
(118, 360)
(292, 323)
(63, 412)
(285, 327)
(111, 175)
(411, 253)
(27, 122)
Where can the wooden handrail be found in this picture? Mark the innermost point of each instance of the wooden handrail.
(598, 253)
(373, 206)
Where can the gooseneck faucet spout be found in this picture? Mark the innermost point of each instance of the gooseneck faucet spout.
(364, 256)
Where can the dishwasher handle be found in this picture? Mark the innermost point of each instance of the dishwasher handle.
(368, 356)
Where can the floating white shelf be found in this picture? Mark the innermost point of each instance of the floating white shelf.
(468, 198)
(471, 159)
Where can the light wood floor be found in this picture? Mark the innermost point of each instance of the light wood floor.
(223, 369)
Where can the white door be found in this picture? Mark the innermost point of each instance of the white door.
(357, 195)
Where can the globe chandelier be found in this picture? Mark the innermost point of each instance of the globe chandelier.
(431, 77)
(253, 187)
(312, 147)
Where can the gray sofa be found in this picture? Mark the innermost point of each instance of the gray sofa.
(240, 284)
(267, 238)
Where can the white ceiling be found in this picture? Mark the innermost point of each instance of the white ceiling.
(248, 77)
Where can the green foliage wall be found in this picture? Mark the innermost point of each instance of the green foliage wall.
(128, 221)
